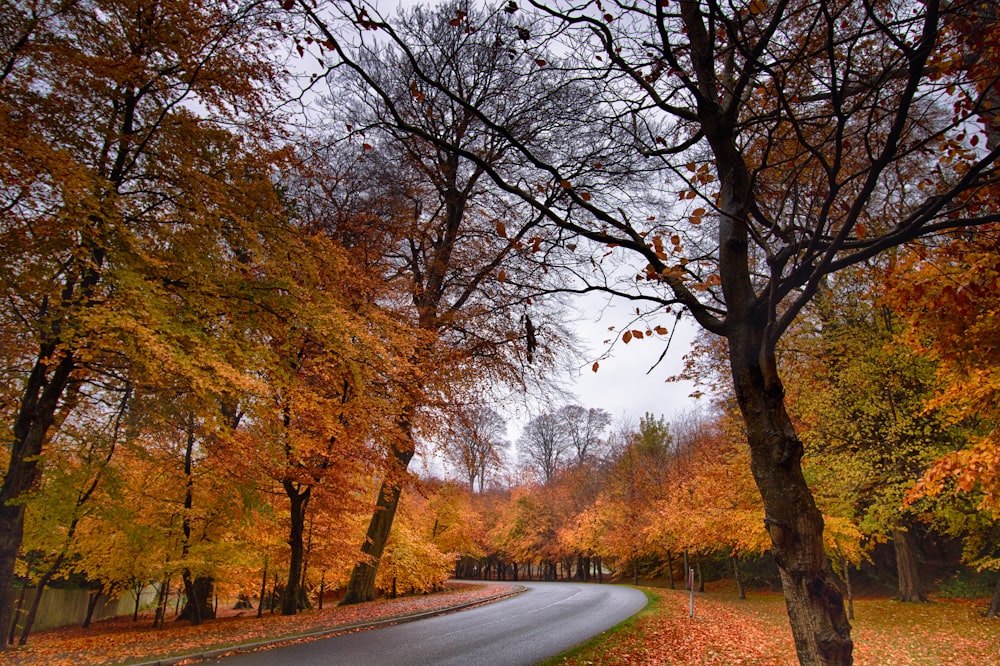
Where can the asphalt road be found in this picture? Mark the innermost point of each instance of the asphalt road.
(524, 629)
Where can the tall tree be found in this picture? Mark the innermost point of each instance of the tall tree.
(803, 136)
(860, 396)
(109, 176)
(460, 249)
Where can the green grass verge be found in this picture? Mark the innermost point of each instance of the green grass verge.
(622, 628)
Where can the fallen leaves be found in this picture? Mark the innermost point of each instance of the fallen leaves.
(756, 632)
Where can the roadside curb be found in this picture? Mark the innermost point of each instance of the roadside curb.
(342, 629)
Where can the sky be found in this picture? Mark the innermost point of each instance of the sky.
(624, 384)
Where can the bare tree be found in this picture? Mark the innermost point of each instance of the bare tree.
(477, 438)
(544, 445)
(585, 429)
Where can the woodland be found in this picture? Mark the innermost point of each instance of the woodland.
(259, 255)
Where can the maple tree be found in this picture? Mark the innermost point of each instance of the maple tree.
(798, 138)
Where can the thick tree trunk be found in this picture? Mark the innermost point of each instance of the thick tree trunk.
(198, 605)
(813, 599)
(361, 586)
(298, 499)
(994, 609)
(907, 567)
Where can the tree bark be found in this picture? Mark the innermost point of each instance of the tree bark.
(298, 499)
(994, 609)
(40, 400)
(907, 567)
(361, 586)
(739, 580)
(813, 599)
(198, 606)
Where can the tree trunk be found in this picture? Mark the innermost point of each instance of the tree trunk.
(994, 609)
(670, 568)
(813, 599)
(161, 603)
(29, 622)
(298, 499)
(137, 591)
(95, 596)
(40, 400)
(907, 568)
(850, 592)
(198, 606)
(263, 590)
(361, 586)
(739, 581)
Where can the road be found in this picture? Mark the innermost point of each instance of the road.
(518, 631)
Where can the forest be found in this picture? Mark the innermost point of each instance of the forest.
(259, 256)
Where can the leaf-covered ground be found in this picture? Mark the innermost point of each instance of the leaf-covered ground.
(122, 641)
(755, 632)
(724, 630)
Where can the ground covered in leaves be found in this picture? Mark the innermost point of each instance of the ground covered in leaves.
(726, 630)
(122, 641)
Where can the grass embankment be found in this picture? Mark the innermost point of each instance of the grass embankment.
(726, 630)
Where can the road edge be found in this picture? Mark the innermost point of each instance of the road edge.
(322, 633)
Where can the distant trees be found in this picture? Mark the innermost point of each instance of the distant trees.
(476, 444)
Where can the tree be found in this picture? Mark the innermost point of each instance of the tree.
(459, 246)
(860, 397)
(476, 443)
(108, 177)
(543, 446)
(799, 138)
(584, 428)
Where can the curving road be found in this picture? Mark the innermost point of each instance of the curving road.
(543, 621)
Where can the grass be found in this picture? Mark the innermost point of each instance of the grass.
(651, 609)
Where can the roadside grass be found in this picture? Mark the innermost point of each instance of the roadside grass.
(755, 631)
(652, 608)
